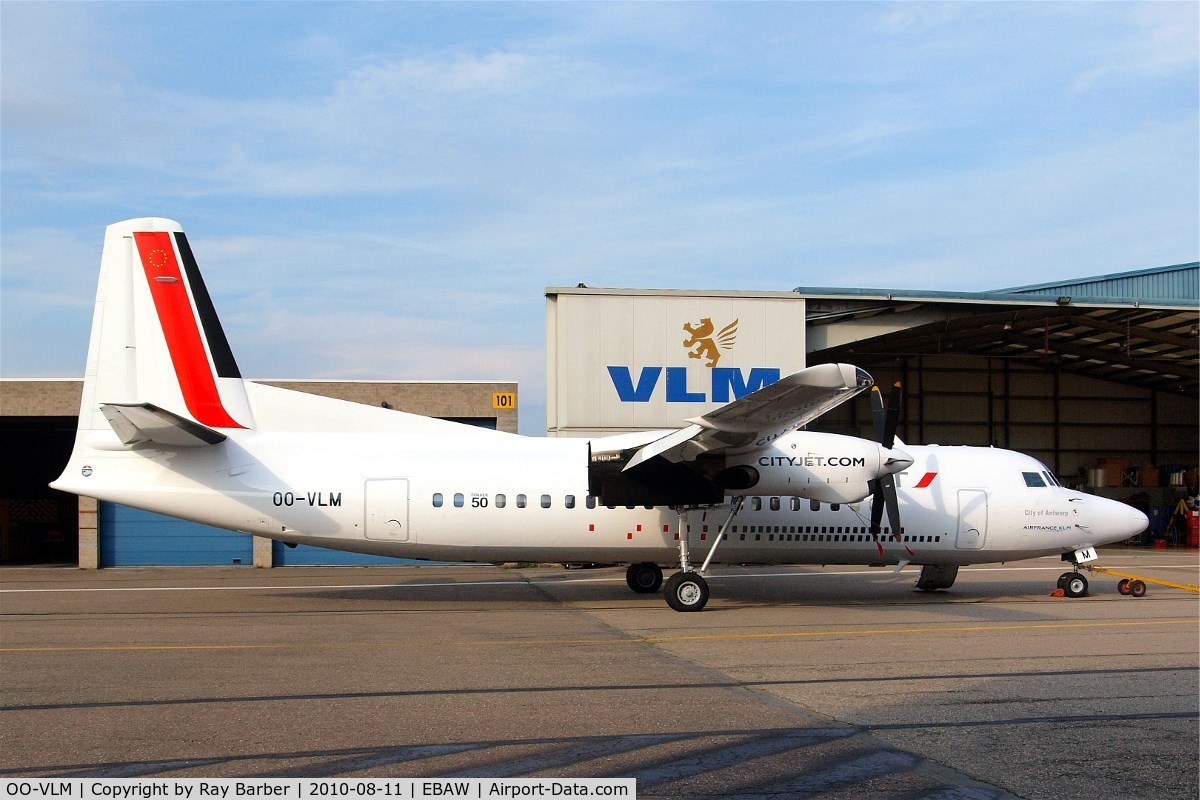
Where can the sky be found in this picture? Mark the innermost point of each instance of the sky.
(385, 190)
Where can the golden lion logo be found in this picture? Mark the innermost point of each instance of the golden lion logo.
(709, 346)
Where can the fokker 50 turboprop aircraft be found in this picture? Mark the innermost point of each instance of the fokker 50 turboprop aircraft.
(167, 424)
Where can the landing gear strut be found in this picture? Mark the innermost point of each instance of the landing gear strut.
(687, 590)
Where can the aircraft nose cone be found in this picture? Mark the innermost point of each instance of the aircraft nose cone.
(1127, 521)
(896, 461)
(1115, 521)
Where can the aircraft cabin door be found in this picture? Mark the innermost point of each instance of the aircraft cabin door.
(386, 509)
(972, 519)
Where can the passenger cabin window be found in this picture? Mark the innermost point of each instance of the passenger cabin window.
(520, 501)
(591, 501)
(814, 505)
(756, 504)
(545, 501)
(1033, 479)
(501, 501)
(774, 503)
(570, 501)
(437, 499)
(459, 500)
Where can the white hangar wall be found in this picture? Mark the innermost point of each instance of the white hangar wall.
(624, 359)
(620, 360)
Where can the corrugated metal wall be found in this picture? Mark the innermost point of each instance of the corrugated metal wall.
(1178, 282)
(134, 538)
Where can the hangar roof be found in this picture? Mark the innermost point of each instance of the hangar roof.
(1138, 328)
(1179, 282)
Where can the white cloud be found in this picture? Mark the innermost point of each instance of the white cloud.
(1160, 40)
(390, 195)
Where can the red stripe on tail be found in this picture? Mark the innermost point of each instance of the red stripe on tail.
(178, 320)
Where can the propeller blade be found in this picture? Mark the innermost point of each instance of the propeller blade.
(892, 419)
(878, 413)
(888, 484)
(877, 504)
(886, 417)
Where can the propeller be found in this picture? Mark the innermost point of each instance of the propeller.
(886, 417)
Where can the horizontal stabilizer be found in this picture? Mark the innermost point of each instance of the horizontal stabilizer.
(140, 423)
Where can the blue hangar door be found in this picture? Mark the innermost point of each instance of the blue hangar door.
(133, 538)
(305, 555)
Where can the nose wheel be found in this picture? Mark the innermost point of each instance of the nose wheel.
(1073, 584)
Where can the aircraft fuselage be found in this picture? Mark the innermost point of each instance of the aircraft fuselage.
(496, 497)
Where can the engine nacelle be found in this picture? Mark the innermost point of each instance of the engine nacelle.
(824, 467)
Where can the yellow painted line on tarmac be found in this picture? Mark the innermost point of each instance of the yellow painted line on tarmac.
(639, 640)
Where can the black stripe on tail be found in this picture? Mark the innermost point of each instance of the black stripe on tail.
(218, 345)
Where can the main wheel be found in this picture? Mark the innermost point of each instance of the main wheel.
(1123, 586)
(644, 578)
(1075, 586)
(1137, 588)
(686, 591)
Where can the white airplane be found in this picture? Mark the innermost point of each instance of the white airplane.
(167, 424)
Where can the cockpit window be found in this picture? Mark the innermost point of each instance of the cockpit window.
(1050, 479)
(1033, 479)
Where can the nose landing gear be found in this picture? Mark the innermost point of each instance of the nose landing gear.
(1073, 584)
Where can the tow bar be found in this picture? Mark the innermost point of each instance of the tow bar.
(1135, 585)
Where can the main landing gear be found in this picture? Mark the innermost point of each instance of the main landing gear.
(686, 590)
(644, 578)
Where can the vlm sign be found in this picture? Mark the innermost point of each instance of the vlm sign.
(645, 359)
(727, 383)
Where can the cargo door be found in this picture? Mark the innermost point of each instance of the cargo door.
(387, 510)
(972, 519)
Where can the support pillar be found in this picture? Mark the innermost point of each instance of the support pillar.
(89, 533)
(262, 552)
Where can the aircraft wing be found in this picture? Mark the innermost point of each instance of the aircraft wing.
(762, 416)
(677, 467)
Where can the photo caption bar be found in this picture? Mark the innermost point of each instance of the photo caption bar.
(308, 788)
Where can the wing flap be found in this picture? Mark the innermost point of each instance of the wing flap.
(141, 423)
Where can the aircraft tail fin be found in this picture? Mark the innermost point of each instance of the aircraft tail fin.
(157, 343)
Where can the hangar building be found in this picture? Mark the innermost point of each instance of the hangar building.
(39, 525)
(1096, 377)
